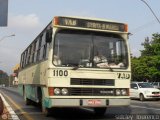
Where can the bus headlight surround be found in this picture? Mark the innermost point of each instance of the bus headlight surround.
(118, 92)
(64, 91)
(57, 91)
(123, 91)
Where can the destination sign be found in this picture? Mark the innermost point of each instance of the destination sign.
(92, 24)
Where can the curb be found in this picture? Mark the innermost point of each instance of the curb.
(1, 106)
(12, 115)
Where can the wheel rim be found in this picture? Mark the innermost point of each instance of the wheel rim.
(141, 97)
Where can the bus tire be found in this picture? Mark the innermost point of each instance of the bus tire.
(45, 111)
(27, 101)
(100, 111)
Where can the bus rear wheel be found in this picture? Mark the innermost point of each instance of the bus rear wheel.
(100, 111)
(27, 101)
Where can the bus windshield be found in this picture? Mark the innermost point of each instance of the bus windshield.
(88, 49)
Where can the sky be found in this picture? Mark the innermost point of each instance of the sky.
(27, 18)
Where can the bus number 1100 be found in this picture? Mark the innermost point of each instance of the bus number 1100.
(60, 73)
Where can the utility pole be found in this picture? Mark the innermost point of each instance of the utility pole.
(9, 79)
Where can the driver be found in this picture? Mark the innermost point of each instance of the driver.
(100, 60)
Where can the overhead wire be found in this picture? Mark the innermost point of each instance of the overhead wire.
(135, 30)
(151, 10)
(140, 28)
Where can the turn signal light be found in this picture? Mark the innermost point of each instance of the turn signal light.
(51, 91)
(126, 27)
(56, 21)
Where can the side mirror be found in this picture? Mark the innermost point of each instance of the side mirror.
(49, 36)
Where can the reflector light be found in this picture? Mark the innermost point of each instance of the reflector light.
(126, 28)
(51, 91)
(55, 21)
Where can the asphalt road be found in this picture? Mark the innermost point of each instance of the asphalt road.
(138, 110)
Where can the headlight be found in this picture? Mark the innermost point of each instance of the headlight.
(124, 92)
(118, 92)
(64, 91)
(57, 91)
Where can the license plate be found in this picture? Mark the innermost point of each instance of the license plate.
(94, 102)
(156, 95)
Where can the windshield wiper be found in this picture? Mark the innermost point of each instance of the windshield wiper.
(110, 68)
(75, 67)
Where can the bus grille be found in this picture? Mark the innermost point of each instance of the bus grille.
(81, 81)
(92, 91)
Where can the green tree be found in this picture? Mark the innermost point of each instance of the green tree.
(3, 77)
(151, 47)
(147, 66)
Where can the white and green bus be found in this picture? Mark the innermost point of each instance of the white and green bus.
(77, 62)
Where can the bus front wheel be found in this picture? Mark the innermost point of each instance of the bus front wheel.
(45, 111)
(100, 111)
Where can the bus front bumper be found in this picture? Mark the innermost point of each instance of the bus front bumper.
(86, 102)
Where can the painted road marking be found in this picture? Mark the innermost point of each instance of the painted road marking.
(145, 107)
(31, 113)
(88, 109)
(10, 110)
(27, 116)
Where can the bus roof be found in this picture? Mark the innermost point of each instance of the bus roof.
(92, 18)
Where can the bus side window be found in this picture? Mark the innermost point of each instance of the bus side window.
(46, 48)
(29, 54)
(36, 49)
(22, 60)
(32, 52)
(39, 48)
(44, 51)
(26, 57)
(42, 47)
